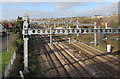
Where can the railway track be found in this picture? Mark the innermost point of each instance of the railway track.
(60, 59)
(61, 63)
(99, 67)
(66, 61)
(89, 52)
(108, 56)
(111, 59)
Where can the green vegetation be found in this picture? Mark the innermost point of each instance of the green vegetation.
(34, 65)
(111, 39)
(6, 55)
(14, 42)
(34, 61)
(18, 26)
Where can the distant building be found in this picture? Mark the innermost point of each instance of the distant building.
(10, 25)
(111, 15)
(97, 16)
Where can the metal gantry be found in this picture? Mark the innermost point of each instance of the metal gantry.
(27, 31)
(25, 38)
(72, 31)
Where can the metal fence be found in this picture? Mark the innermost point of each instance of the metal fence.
(7, 70)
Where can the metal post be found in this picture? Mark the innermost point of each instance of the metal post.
(99, 35)
(106, 25)
(51, 36)
(25, 38)
(25, 54)
(106, 28)
(21, 74)
(95, 35)
(77, 28)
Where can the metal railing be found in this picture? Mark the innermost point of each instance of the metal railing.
(7, 70)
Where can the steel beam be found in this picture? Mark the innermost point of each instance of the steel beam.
(71, 31)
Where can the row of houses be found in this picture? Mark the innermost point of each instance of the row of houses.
(8, 25)
(5, 26)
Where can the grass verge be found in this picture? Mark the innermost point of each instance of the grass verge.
(6, 55)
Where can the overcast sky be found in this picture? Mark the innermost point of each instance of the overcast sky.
(36, 10)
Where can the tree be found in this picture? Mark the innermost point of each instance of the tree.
(18, 26)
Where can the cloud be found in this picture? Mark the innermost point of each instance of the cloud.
(111, 8)
(67, 5)
(61, 11)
